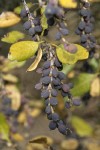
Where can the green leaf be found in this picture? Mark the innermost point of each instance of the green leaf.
(24, 50)
(13, 37)
(71, 58)
(94, 63)
(82, 84)
(43, 20)
(67, 68)
(81, 127)
(4, 128)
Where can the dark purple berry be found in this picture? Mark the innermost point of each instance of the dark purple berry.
(38, 86)
(88, 29)
(76, 102)
(27, 25)
(78, 32)
(58, 36)
(67, 105)
(61, 75)
(54, 72)
(56, 81)
(64, 31)
(46, 65)
(52, 125)
(53, 101)
(23, 13)
(46, 80)
(65, 88)
(48, 109)
(38, 29)
(50, 21)
(49, 116)
(45, 94)
(64, 94)
(54, 92)
(46, 72)
(81, 25)
(85, 12)
(84, 38)
(36, 21)
(32, 31)
(57, 62)
(62, 128)
(55, 117)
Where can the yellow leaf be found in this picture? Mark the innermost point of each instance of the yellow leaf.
(95, 87)
(22, 117)
(8, 19)
(23, 50)
(13, 37)
(36, 62)
(68, 3)
(70, 58)
(35, 112)
(17, 137)
(82, 127)
(14, 95)
(10, 78)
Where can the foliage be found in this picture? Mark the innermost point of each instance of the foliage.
(22, 51)
(8, 19)
(71, 58)
(57, 59)
(13, 37)
(4, 128)
(82, 128)
(83, 82)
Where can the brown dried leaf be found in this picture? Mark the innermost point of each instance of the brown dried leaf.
(44, 140)
(36, 62)
(35, 147)
(8, 19)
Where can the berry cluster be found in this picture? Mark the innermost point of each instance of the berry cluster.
(85, 26)
(50, 84)
(52, 80)
(53, 13)
(6, 107)
(33, 24)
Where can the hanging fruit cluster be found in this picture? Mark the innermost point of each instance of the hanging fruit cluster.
(48, 14)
